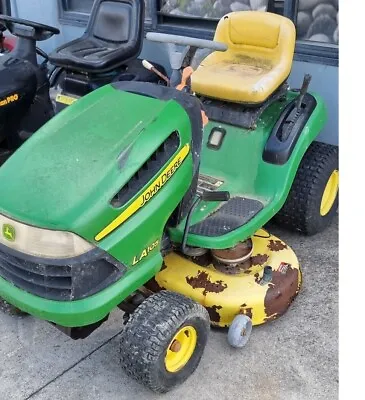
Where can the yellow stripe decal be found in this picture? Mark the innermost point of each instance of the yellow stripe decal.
(148, 194)
(68, 100)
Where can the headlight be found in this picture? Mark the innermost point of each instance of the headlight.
(39, 242)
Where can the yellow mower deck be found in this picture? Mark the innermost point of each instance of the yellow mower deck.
(225, 296)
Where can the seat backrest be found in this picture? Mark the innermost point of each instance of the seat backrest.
(258, 34)
(117, 21)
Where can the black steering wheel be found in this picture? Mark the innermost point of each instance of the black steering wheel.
(39, 32)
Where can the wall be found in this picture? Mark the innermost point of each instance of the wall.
(324, 81)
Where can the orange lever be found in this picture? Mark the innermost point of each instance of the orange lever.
(205, 119)
(186, 74)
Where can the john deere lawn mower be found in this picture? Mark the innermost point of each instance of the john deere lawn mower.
(152, 199)
(30, 95)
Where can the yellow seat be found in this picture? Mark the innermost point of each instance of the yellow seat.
(258, 60)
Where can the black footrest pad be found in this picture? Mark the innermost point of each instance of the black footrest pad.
(233, 214)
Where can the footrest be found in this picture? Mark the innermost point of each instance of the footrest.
(233, 214)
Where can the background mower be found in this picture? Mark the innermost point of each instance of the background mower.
(154, 209)
(7, 43)
(106, 52)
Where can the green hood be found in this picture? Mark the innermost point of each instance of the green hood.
(66, 174)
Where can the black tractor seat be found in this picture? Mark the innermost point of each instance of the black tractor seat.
(113, 36)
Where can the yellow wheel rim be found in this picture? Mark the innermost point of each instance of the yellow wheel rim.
(330, 193)
(181, 348)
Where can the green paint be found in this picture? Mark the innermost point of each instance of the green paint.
(239, 164)
(65, 176)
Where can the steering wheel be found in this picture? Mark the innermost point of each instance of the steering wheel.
(39, 32)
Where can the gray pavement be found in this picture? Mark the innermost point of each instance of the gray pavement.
(293, 358)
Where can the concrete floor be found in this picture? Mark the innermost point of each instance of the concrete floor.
(293, 358)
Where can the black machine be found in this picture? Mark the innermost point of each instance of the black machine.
(25, 104)
(30, 95)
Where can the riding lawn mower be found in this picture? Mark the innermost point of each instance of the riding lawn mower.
(153, 199)
(31, 94)
(7, 43)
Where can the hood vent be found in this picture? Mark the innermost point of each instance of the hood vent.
(148, 170)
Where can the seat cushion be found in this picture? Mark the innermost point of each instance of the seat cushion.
(258, 60)
(114, 36)
(238, 80)
(91, 55)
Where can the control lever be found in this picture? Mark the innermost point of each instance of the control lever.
(206, 196)
(303, 90)
(150, 67)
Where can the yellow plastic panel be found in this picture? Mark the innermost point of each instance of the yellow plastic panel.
(261, 31)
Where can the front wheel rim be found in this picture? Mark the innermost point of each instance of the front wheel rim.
(181, 349)
(330, 193)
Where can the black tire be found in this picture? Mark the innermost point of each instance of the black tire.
(301, 211)
(9, 309)
(149, 332)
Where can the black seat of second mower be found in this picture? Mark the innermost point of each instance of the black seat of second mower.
(113, 36)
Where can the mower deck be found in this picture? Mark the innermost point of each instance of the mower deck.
(243, 290)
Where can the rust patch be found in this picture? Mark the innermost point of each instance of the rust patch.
(271, 318)
(276, 245)
(242, 249)
(154, 286)
(281, 292)
(259, 259)
(257, 277)
(176, 346)
(213, 313)
(247, 311)
(248, 271)
(233, 269)
(202, 281)
(203, 260)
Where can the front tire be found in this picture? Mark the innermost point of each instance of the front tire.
(9, 309)
(312, 202)
(164, 340)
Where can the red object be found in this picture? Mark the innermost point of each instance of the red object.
(9, 42)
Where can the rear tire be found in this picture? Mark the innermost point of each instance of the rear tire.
(304, 208)
(149, 340)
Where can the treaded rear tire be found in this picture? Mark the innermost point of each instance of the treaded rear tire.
(148, 334)
(301, 211)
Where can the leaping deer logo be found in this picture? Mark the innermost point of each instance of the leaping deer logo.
(9, 232)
